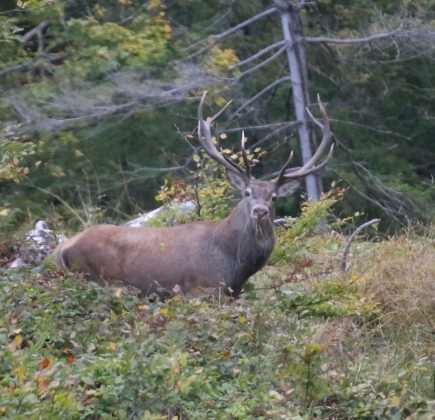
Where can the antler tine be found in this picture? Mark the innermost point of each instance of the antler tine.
(205, 138)
(281, 175)
(300, 172)
(245, 157)
(310, 166)
(326, 130)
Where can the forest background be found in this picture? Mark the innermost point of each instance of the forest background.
(98, 101)
(98, 110)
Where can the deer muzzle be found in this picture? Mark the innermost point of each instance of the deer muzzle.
(259, 212)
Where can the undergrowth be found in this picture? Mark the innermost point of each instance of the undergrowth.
(305, 341)
(305, 349)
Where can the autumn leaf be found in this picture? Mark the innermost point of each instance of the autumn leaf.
(43, 364)
(15, 343)
(43, 383)
(21, 373)
(70, 358)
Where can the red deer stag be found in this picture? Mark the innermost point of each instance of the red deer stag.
(197, 254)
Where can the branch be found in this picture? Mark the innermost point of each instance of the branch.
(323, 39)
(258, 54)
(375, 129)
(37, 32)
(259, 65)
(260, 127)
(16, 10)
(234, 29)
(261, 93)
(349, 242)
(216, 38)
(27, 65)
(274, 132)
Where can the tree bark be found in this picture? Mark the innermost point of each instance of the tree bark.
(292, 31)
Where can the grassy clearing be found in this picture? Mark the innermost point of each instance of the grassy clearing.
(318, 345)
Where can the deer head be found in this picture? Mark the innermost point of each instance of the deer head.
(259, 196)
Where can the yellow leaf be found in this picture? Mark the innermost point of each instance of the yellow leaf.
(395, 400)
(112, 346)
(21, 373)
(4, 212)
(220, 101)
(164, 311)
(354, 277)
(15, 343)
(2, 410)
(243, 319)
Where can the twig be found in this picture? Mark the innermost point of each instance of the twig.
(259, 65)
(257, 55)
(327, 40)
(351, 238)
(57, 197)
(234, 29)
(259, 94)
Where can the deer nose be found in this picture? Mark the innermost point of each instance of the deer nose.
(259, 212)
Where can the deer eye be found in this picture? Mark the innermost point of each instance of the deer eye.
(247, 193)
(274, 196)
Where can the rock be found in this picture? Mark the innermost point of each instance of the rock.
(183, 208)
(38, 243)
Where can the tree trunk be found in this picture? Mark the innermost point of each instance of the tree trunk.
(292, 31)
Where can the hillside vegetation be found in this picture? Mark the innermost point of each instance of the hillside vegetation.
(305, 341)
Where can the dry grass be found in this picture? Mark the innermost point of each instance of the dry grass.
(401, 278)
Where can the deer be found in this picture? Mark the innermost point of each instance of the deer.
(200, 254)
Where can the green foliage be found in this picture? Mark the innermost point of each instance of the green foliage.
(292, 237)
(71, 348)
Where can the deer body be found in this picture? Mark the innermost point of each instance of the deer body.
(155, 260)
(198, 254)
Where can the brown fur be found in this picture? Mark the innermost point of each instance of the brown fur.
(198, 254)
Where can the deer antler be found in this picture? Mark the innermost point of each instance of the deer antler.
(205, 138)
(310, 166)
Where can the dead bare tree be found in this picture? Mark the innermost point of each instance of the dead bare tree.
(293, 43)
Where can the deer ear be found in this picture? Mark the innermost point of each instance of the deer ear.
(287, 189)
(236, 181)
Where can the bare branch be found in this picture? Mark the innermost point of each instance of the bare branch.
(217, 38)
(368, 127)
(258, 54)
(260, 94)
(274, 132)
(349, 242)
(16, 10)
(261, 127)
(37, 32)
(259, 65)
(327, 40)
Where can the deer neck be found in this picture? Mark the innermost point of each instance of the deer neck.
(250, 241)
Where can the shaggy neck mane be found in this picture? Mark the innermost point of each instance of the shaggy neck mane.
(247, 241)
